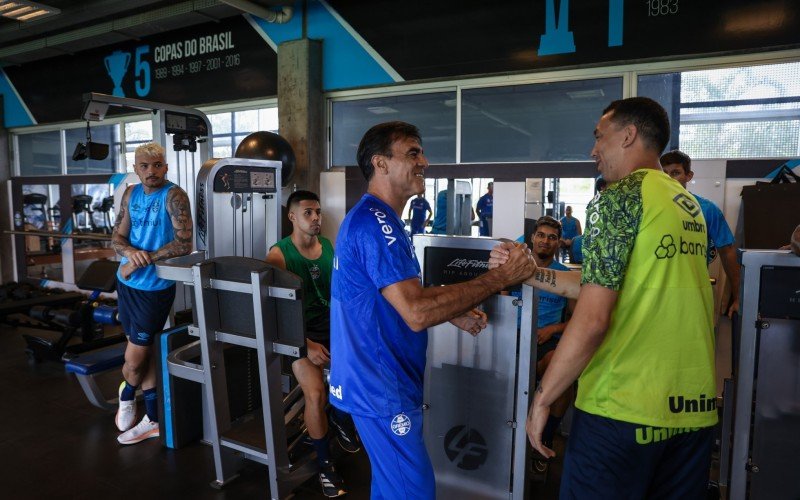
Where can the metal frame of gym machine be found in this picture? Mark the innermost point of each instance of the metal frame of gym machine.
(223, 276)
(477, 389)
(240, 300)
(759, 455)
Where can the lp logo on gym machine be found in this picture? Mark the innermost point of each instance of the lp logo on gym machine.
(117, 67)
(465, 447)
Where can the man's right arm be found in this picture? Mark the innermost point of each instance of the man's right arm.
(564, 283)
(796, 241)
(121, 232)
(581, 339)
(421, 307)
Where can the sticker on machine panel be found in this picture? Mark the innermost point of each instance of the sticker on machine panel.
(401, 424)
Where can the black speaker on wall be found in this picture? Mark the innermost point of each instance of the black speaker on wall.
(91, 150)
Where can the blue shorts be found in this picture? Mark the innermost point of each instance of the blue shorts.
(401, 468)
(143, 313)
(607, 458)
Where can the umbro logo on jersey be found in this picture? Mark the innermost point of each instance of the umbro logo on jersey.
(386, 229)
(687, 204)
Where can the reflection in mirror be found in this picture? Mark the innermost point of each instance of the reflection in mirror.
(42, 214)
(92, 214)
(468, 191)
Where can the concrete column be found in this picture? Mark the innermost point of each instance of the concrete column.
(301, 115)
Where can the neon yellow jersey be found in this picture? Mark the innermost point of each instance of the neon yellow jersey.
(646, 238)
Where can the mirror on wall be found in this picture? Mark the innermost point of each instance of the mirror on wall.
(41, 213)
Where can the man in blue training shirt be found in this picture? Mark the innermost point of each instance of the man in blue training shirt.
(420, 214)
(678, 165)
(154, 223)
(440, 217)
(551, 315)
(484, 210)
(570, 227)
(380, 312)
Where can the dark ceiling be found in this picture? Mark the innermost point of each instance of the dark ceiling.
(89, 24)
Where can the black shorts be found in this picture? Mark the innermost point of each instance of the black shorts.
(143, 313)
(611, 459)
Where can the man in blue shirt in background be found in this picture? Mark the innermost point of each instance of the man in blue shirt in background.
(678, 165)
(380, 313)
(551, 320)
(440, 217)
(570, 227)
(484, 210)
(420, 214)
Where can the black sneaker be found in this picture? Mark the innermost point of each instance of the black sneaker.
(346, 435)
(331, 482)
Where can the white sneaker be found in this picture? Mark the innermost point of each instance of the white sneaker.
(143, 430)
(126, 413)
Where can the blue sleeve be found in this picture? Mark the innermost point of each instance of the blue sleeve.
(481, 204)
(718, 229)
(386, 255)
(427, 205)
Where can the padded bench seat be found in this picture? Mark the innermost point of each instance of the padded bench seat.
(87, 366)
(93, 362)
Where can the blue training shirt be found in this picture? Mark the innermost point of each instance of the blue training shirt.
(569, 227)
(419, 209)
(551, 306)
(719, 234)
(440, 217)
(484, 206)
(577, 249)
(151, 229)
(377, 361)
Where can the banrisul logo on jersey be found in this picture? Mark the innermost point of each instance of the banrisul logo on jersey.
(668, 247)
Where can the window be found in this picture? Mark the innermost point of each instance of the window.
(40, 153)
(538, 122)
(230, 128)
(434, 114)
(102, 134)
(744, 112)
(136, 134)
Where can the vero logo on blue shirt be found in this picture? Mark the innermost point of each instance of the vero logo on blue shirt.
(385, 227)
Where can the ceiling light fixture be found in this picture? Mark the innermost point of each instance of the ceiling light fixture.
(23, 10)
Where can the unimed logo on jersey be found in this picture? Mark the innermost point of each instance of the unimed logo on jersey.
(686, 203)
(465, 447)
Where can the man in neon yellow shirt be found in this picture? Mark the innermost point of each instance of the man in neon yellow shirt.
(641, 337)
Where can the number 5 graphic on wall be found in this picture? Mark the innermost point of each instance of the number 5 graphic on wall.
(142, 71)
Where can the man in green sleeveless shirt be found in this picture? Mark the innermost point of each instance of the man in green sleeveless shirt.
(310, 256)
(641, 338)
